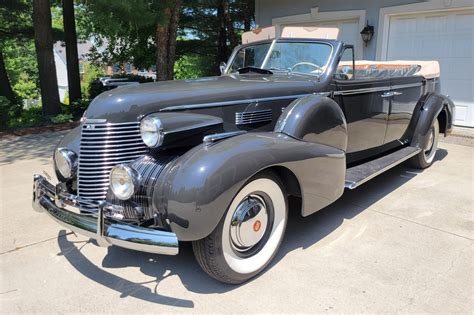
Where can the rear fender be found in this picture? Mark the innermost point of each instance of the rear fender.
(198, 187)
(427, 110)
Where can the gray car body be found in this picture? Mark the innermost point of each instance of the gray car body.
(305, 143)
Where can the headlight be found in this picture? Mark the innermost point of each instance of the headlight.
(151, 131)
(66, 162)
(123, 181)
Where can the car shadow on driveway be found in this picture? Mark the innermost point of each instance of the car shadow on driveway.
(301, 233)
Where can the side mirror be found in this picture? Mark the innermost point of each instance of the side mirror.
(222, 66)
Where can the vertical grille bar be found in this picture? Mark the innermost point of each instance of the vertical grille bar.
(102, 147)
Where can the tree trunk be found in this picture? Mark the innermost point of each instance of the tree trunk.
(44, 53)
(72, 59)
(173, 33)
(162, 52)
(166, 33)
(5, 87)
(221, 34)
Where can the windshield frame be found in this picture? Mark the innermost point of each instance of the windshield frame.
(272, 45)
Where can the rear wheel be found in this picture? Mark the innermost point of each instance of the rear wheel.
(249, 234)
(426, 157)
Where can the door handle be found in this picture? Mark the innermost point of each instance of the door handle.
(390, 94)
(387, 94)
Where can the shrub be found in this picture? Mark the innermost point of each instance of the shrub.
(62, 118)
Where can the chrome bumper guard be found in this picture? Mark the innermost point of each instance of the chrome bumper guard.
(105, 230)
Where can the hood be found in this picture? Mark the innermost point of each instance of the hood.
(130, 103)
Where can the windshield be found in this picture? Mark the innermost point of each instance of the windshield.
(303, 57)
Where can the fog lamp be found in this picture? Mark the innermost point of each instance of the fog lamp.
(124, 181)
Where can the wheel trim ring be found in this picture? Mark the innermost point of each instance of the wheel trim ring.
(430, 150)
(247, 265)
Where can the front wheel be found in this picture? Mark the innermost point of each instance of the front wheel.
(426, 157)
(249, 234)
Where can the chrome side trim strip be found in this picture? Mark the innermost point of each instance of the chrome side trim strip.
(377, 89)
(404, 86)
(363, 91)
(229, 103)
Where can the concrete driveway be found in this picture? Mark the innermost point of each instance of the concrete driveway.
(400, 243)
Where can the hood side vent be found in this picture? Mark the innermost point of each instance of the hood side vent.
(253, 117)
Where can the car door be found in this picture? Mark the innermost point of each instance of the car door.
(366, 111)
(405, 93)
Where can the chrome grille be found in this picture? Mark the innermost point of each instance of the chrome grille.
(253, 117)
(102, 147)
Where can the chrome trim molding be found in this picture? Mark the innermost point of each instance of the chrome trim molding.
(106, 231)
(253, 117)
(221, 136)
(235, 102)
(353, 185)
(286, 97)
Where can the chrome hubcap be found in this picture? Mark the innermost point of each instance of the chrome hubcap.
(429, 145)
(249, 223)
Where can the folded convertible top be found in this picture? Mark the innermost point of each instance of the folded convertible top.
(427, 69)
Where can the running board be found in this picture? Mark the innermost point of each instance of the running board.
(357, 175)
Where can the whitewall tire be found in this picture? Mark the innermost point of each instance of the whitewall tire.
(249, 234)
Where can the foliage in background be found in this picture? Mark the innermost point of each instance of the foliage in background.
(191, 66)
(20, 62)
(91, 73)
(123, 31)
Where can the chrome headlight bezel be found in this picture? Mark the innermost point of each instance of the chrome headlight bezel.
(65, 163)
(151, 131)
(124, 188)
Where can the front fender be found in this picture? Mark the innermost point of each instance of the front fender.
(198, 187)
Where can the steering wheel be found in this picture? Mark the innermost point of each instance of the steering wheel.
(316, 67)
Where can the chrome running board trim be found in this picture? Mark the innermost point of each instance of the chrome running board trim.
(360, 174)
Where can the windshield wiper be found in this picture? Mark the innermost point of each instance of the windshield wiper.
(253, 69)
(279, 69)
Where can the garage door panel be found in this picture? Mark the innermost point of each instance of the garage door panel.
(444, 36)
(463, 22)
(462, 46)
(435, 24)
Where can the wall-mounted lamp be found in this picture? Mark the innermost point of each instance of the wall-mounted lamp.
(367, 33)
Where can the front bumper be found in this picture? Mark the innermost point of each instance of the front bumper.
(105, 230)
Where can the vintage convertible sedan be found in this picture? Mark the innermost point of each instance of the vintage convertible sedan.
(290, 124)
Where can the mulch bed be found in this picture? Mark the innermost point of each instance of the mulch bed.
(34, 130)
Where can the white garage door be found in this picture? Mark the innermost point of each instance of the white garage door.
(448, 38)
(348, 32)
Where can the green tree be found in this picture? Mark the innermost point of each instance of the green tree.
(15, 23)
(138, 31)
(214, 27)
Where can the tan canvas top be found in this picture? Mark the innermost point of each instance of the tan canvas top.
(310, 32)
(427, 69)
(290, 32)
(259, 34)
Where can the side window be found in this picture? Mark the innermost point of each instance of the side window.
(345, 68)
